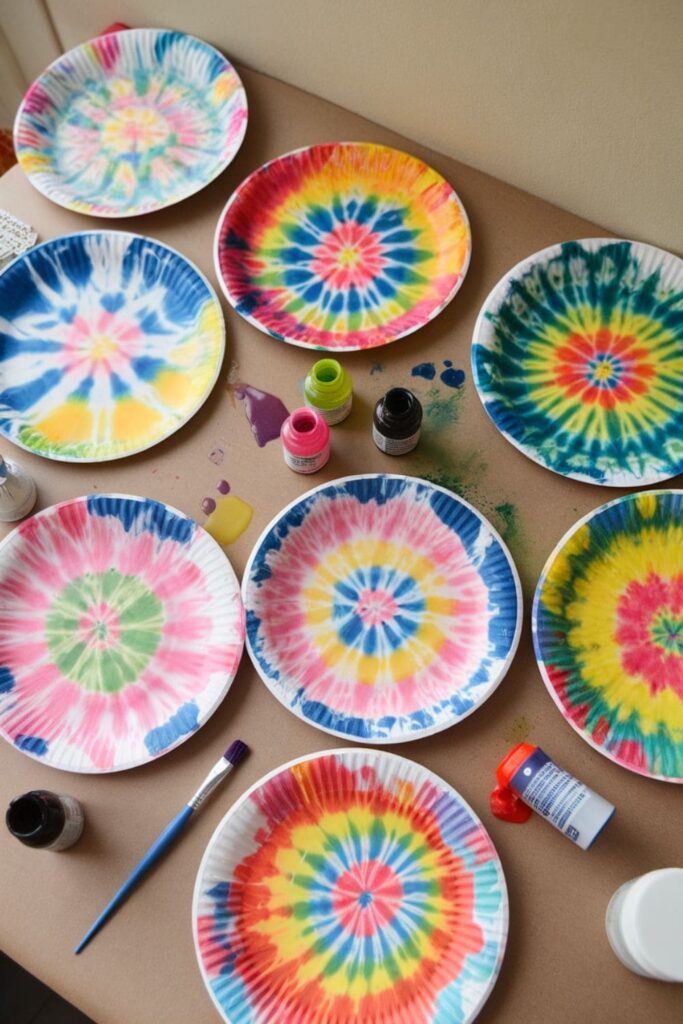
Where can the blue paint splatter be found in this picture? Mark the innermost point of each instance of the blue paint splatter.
(7, 682)
(426, 370)
(453, 378)
(179, 724)
(31, 744)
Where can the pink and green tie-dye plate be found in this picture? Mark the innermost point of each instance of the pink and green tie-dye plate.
(608, 631)
(342, 246)
(131, 122)
(381, 608)
(121, 629)
(109, 342)
(350, 887)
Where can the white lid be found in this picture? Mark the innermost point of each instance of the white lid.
(652, 923)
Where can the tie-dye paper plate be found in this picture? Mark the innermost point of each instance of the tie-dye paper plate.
(121, 629)
(608, 631)
(578, 360)
(381, 608)
(131, 122)
(350, 886)
(109, 342)
(342, 246)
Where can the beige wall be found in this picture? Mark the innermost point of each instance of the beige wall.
(578, 101)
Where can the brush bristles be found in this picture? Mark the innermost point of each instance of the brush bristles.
(236, 752)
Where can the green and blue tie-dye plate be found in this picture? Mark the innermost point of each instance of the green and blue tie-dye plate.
(578, 358)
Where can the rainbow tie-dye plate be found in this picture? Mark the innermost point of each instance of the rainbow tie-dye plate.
(131, 122)
(578, 359)
(350, 886)
(109, 342)
(342, 246)
(608, 631)
(121, 629)
(381, 608)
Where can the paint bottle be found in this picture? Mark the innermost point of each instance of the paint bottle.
(397, 421)
(44, 820)
(644, 923)
(574, 809)
(305, 441)
(17, 491)
(328, 389)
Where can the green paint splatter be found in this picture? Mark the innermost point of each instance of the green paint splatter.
(441, 410)
(510, 517)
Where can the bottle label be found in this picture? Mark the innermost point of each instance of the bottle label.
(335, 415)
(74, 820)
(307, 463)
(561, 799)
(392, 445)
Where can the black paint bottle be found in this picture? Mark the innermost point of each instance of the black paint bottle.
(44, 820)
(397, 422)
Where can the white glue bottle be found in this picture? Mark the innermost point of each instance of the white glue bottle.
(644, 924)
(574, 809)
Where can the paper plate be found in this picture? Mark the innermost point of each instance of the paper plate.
(608, 631)
(131, 122)
(121, 629)
(381, 608)
(578, 359)
(342, 246)
(109, 342)
(355, 886)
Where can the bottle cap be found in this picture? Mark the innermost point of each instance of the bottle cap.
(652, 923)
(305, 432)
(512, 762)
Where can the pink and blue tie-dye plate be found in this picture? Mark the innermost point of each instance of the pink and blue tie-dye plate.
(109, 343)
(350, 887)
(131, 122)
(121, 629)
(381, 608)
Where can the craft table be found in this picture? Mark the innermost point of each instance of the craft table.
(142, 969)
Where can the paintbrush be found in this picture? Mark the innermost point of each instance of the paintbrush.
(230, 759)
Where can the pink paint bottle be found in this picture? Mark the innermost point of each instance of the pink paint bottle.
(305, 440)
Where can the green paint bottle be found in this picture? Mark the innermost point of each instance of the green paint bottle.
(329, 390)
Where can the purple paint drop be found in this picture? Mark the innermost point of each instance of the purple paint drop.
(216, 456)
(453, 378)
(208, 506)
(223, 487)
(265, 413)
(426, 370)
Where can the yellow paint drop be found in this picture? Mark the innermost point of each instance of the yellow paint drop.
(229, 519)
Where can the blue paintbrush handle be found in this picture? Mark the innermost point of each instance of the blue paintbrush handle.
(155, 852)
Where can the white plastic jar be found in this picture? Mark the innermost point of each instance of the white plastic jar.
(644, 924)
